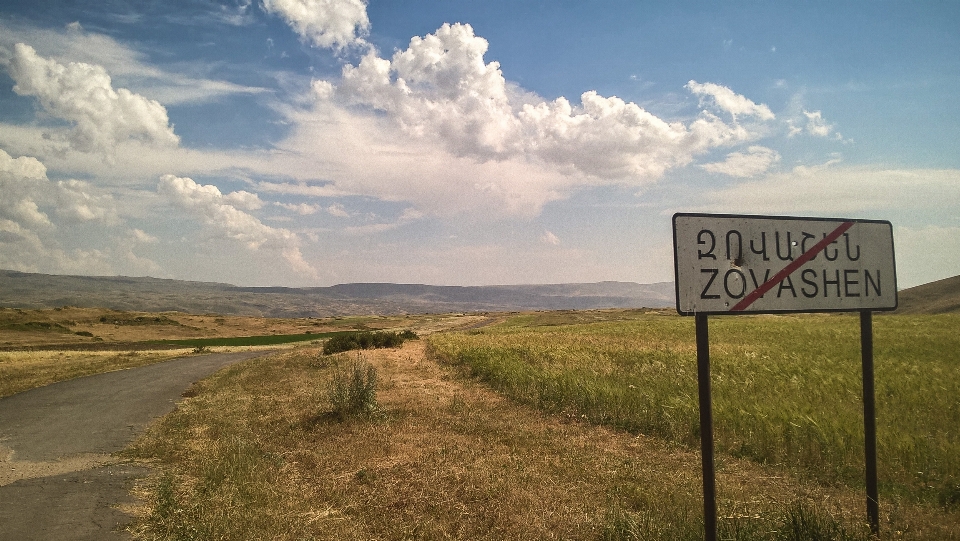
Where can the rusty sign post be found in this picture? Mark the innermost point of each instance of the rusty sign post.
(728, 264)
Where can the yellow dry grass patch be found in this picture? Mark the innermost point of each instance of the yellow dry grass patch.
(22, 370)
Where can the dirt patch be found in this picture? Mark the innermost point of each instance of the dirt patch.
(12, 470)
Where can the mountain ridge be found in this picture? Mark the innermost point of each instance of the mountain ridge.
(148, 294)
(938, 297)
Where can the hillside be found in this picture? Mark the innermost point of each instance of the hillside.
(30, 290)
(940, 297)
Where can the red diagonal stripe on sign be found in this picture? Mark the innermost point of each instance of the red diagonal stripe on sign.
(794, 265)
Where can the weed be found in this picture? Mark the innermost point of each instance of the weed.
(365, 476)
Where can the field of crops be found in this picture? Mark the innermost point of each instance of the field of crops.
(786, 389)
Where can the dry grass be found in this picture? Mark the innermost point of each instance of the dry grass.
(23, 366)
(256, 454)
(28, 328)
(22, 370)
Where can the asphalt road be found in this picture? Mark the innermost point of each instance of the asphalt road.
(57, 479)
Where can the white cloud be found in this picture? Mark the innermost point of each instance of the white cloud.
(435, 126)
(74, 44)
(325, 23)
(303, 209)
(143, 237)
(338, 210)
(755, 161)
(811, 123)
(730, 101)
(83, 95)
(243, 200)
(409, 215)
(549, 238)
(23, 180)
(816, 125)
(77, 201)
(25, 189)
(35, 215)
(440, 88)
(440, 94)
(214, 209)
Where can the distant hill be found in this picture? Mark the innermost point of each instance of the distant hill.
(31, 290)
(938, 297)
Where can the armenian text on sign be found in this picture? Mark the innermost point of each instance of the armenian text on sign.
(735, 264)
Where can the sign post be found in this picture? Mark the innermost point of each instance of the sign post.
(728, 264)
(706, 429)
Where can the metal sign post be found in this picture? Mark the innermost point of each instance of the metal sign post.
(706, 430)
(737, 264)
(869, 420)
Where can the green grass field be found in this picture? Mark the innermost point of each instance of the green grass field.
(786, 389)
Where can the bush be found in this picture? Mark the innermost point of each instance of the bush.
(353, 390)
(367, 340)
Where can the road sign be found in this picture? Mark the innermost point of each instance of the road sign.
(728, 264)
(734, 264)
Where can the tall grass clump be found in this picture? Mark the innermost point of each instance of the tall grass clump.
(353, 389)
(787, 390)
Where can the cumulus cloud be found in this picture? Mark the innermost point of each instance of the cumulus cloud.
(23, 180)
(243, 200)
(215, 210)
(325, 23)
(25, 188)
(83, 95)
(77, 201)
(755, 161)
(441, 89)
(34, 213)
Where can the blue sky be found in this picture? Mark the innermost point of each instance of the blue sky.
(309, 143)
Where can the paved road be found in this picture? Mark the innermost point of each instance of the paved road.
(57, 480)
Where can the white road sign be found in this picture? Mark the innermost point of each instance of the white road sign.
(729, 264)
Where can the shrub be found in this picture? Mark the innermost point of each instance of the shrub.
(367, 340)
